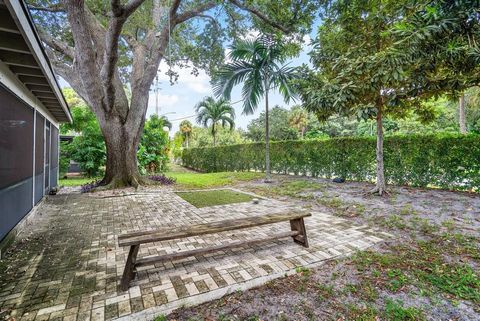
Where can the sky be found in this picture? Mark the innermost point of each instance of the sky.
(177, 101)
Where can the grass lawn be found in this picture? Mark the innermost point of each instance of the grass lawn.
(212, 198)
(186, 179)
(207, 180)
(76, 181)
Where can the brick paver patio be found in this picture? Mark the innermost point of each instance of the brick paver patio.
(68, 265)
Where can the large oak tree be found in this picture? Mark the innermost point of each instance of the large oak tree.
(110, 52)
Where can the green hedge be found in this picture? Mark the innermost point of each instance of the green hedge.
(446, 161)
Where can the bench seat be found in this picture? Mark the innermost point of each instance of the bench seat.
(135, 239)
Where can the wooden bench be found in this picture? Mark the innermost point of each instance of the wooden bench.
(135, 239)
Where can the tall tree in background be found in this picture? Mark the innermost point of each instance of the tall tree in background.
(351, 77)
(259, 65)
(462, 120)
(279, 128)
(154, 145)
(215, 113)
(385, 57)
(298, 119)
(103, 47)
(186, 130)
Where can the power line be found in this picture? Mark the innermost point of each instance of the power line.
(182, 118)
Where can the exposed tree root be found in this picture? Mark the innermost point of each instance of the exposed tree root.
(119, 182)
(378, 191)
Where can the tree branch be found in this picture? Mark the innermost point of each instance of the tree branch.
(56, 44)
(260, 15)
(66, 72)
(195, 12)
(131, 6)
(52, 8)
(85, 53)
(120, 15)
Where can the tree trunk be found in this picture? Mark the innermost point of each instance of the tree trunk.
(268, 177)
(461, 115)
(380, 187)
(214, 135)
(121, 144)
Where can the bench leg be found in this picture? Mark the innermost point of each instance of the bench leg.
(299, 226)
(128, 273)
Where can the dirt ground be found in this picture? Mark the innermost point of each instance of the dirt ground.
(430, 271)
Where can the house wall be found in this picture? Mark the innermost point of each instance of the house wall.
(29, 146)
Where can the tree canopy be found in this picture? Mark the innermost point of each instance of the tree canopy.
(374, 58)
(110, 52)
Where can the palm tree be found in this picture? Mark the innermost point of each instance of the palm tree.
(160, 121)
(258, 65)
(298, 119)
(186, 130)
(213, 112)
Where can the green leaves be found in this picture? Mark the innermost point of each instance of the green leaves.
(415, 160)
(153, 151)
(215, 113)
(396, 51)
(256, 64)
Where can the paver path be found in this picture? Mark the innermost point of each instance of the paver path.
(68, 266)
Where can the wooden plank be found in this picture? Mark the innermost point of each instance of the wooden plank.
(33, 80)
(52, 104)
(299, 226)
(26, 71)
(207, 250)
(13, 42)
(6, 21)
(18, 59)
(39, 88)
(128, 272)
(206, 228)
(48, 95)
(271, 218)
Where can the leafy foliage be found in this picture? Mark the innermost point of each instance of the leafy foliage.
(278, 123)
(447, 161)
(88, 148)
(259, 65)
(162, 179)
(88, 187)
(438, 43)
(298, 119)
(201, 137)
(186, 128)
(215, 113)
(154, 146)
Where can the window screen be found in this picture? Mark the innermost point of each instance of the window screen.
(16, 139)
(54, 148)
(39, 144)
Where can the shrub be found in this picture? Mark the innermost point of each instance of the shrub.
(445, 161)
(154, 146)
(86, 188)
(162, 179)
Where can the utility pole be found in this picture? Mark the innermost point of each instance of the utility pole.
(156, 96)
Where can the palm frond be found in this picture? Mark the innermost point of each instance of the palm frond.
(229, 76)
(253, 89)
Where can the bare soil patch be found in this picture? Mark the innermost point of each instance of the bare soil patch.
(429, 272)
